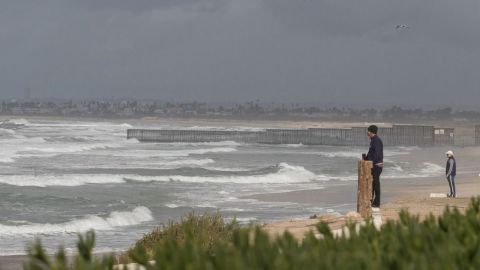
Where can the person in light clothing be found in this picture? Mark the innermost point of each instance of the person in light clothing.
(450, 173)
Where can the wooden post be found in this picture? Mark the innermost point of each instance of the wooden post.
(364, 192)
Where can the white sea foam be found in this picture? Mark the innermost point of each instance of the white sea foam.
(20, 121)
(396, 167)
(229, 169)
(187, 162)
(115, 219)
(409, 148)
(285, 174)
(60, 180)
(233, 209)
(205, 151)
(125, 125)
(5, 131)
(243, 220)
(222, 143)
(32, 140)
(8, 152)
(343, 154)
(72, 148)
(206, 205)
(391, 153)
(326, 177)
(428, 170)
(298, 145)
(173, 153)
(432, 169)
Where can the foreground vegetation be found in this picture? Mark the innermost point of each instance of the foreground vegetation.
(207, 230)
(451, 241)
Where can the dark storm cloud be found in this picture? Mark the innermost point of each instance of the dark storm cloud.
(217, 50)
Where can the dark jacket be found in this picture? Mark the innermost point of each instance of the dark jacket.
(375, 152)
(451, 168)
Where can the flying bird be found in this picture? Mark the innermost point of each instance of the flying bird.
(402, 26)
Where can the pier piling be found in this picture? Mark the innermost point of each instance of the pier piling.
(364, 191)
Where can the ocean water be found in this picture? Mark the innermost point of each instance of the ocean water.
(60, 177)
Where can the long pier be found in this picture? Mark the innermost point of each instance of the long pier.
(397, 135)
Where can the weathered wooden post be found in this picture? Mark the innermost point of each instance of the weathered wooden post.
(364, 192)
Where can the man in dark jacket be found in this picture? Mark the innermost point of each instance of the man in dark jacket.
(450, 173)
(375, 154)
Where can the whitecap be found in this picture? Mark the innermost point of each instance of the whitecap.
(174, 153)
(428, 170)
(59, 180)
(342, 154)
(431, 169)
(286, 174)
(125, 125)
(7, 131)
(20, 121)
(116, 219)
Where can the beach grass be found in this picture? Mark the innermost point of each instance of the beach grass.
(208, 229)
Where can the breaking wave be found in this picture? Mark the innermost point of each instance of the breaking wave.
(115, 219)
(125, 125)
(59, 180)
(71, 148)
(20, 121)
(428, 170)
(285, 174)
(174, 153)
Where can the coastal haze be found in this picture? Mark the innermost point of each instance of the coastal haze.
(76, 75)
(370, 52)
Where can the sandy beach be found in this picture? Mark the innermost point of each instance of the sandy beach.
(397, 194)
(415, 198)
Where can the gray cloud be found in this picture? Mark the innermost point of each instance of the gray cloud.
(149, 5)
(440, 20)
(235, 50)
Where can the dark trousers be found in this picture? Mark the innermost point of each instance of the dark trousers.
(376, 171)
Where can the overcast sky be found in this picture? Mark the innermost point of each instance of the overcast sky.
(321, 51)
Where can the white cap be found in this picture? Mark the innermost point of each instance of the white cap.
(449, 153)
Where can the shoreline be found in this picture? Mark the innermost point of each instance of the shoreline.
(397, 196)
(412, 194)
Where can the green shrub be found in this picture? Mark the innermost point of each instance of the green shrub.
(39, 260)
(451, 241)
(208, 229)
